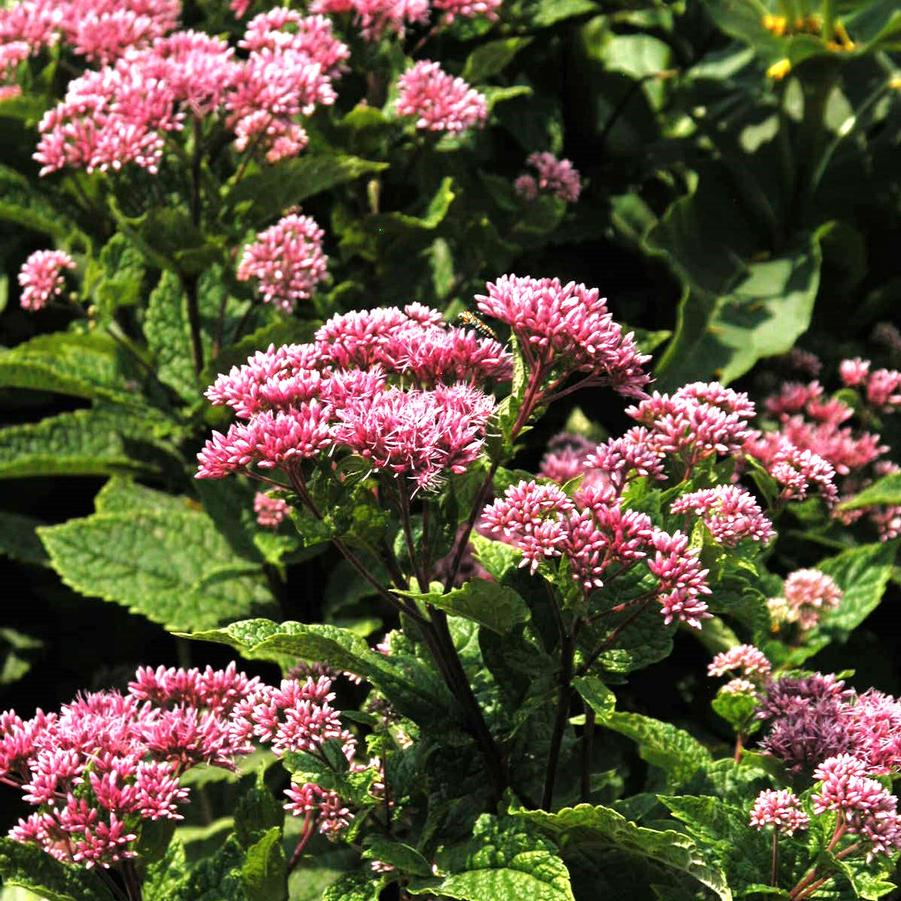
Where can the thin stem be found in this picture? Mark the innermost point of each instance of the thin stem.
(407, 525)
(586, 666)
(497, 770)
(774, 866)
(587, 748)
(190, 283)
(739, 747)
(308, 830)
(564, 695)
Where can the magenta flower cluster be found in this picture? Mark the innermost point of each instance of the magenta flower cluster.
(286, 261)
(41, 277)
(124, 112)
(438, 101)
(781, 809)
(270, 511)
(806, 595)
(600, 540)
(730, 514)
(552, 176)
(108, 762)
(334, 394)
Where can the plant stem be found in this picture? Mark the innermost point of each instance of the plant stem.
(564, 694)
(739, 747)
(308, 830)
(190, 284)
(587, 748)
(497, 770)
(406, 523)
(774, 868)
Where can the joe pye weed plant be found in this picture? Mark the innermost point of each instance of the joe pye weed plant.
(283, 304)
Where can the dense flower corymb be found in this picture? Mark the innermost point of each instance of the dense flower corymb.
(729, 512)
(41, 277)
(781, 809)
(439, 101)
(552, 176)
(286, 261)
(743, 658)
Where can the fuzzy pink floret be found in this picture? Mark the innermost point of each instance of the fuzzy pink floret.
(781, 809)
(270, 511)
(730, 514)
(41, 277)
(552, 176)
(438, 101)
(743, 658)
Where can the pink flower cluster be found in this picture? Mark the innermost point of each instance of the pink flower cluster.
(100, 30)
(600, 540)
(41, 278)
(336, 394)
(565, 329)
(814, 423)
(552, 176)
(807, 594)
(744, 659)
(270, 511)
(377, 17)
(438, 101)
(866, 808)
(781, 809)
(286, 261)
(730, 514)
(467, 9)
(108, 762)
(123, 113)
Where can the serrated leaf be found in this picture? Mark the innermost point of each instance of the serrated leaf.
(885, 491)
(265, 871)
(492, 57)
(164, 565)
(497, 557)
(32, 868)
(353, 887)
(586, 827)
(662, 744)
(545, 13)
(262, 195)
(503, 860)
(400, 855)
(168, 337)
(601, 700)
(81, 365)
(735, 708)
(23, 202)
(91, 442)
(116, 279)
(165, 876)
(124, 495)
(497, 607)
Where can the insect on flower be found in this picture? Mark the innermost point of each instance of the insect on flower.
(473, 321)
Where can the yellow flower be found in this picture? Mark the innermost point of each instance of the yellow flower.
(775, 24)
(779, 70)
(895, 83)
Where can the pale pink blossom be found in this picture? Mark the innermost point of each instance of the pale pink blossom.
(854, 372)
(467, 9)
(41, 278)
(730, 514)
(438, 101)
(683, 581)
(809, 593)
(286, 261)
(744, 659)
(781, 809)
(270, 511)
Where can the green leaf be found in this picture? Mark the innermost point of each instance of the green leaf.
(400, 855)
(862, 573)
(173, 568)
(664, 745)
(116, 279)
(32, 868)
(497, 607)
(265, 870)
(497, 557)
(503, 860)
(91, 442)
(759, 312)
(82, 365)
(587, 829)
(353, 887)
(263, 195)
(885, 491)
(22, 201)
(121, 494)
(735, 708)
(545, 13)
(19, 540)
(15, 651)
(165, 876)
(257, 813)
(492, 57)
(601, 700)
(169, 337)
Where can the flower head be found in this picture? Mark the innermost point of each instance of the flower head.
(730, 514)
(286, 261)
(552, 176)
(744, 659)
(270, 511)
(41, 277)
(439, 101)
(781, 809)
